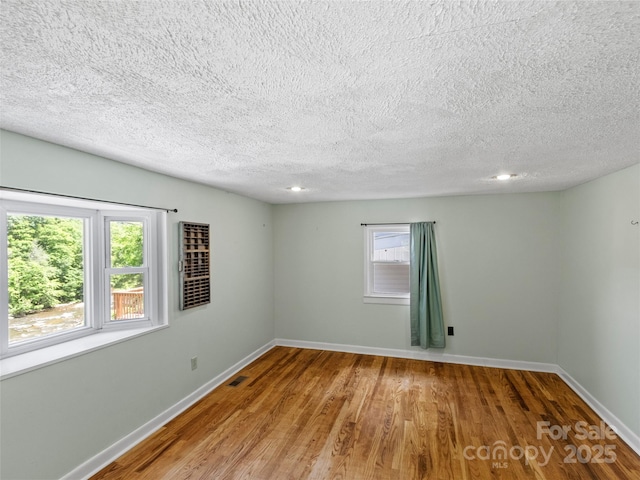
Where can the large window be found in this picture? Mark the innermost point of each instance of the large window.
(387, 264)
(71, 268)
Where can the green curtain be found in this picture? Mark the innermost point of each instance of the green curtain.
(427, 325)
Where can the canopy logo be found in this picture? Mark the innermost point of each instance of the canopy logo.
(499, 453)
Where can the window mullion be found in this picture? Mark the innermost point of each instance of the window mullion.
(148, 262)
(4, 284)
(123, 270)
(99, 247)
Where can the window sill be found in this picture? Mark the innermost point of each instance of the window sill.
(386, 300)
(27, 362)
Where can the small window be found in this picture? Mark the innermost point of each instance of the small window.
(71, 268)
(387, 264)
(127, 272)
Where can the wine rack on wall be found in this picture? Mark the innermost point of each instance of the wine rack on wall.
(195, 278)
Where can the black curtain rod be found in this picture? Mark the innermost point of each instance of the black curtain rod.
(2, 187)
(399, 223)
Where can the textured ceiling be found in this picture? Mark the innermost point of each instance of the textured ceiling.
(352, 100)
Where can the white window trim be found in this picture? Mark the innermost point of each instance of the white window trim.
(147, 269)
(386, 300)
(98, 333)
(369, 296)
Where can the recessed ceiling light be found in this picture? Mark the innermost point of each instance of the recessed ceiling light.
(295, 189)
(505, 176)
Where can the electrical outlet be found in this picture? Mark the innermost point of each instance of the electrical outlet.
(194, 363)
(450, 331)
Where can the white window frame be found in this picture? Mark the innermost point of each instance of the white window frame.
(98, 330)
(90, 280)
(369, 295)
(147, 269)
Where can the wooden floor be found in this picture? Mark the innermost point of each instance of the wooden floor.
(311, 414)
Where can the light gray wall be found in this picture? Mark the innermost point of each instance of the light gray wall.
(599, 328)
(499, 271)
(55, 418)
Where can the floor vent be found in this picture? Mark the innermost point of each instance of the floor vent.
(238, 381)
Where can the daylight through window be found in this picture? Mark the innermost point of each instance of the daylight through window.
(46, 275)
(71, 269)
(387, 262)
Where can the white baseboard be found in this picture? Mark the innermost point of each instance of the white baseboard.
(104, 458)
(421, 354)
(624, 432)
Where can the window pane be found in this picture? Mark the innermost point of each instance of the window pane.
(389, 278)
(46, 275)
(127, 296)
(390, 247)
(127, 240)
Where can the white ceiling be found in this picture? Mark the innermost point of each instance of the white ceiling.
(352, 100)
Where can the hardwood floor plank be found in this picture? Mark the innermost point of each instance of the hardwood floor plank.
(311, 414)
